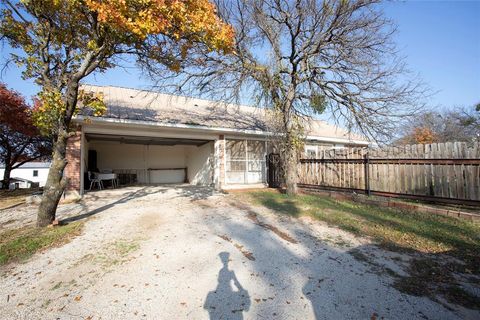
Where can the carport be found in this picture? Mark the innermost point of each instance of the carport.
(149, 159)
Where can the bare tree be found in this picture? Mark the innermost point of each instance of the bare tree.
(458, 124)
(309, 56)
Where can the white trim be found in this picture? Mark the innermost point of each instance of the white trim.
(220, 130)
(144, 132)
(89, 120)
(337, 140)
(265, 163)
(245, 174)
(217, 164)
(242, 137)
(224, 182)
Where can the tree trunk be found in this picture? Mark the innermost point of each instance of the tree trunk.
(56, 182)
(290, 143)
(291, 166)
(6, 177)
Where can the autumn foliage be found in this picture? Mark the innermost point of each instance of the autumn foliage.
(61, 42)
(192, 20)
(49, 107)
(14, 112)
(424, 135)
(20, 140)
(460, 124)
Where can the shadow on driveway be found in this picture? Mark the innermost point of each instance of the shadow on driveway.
(224, 302)
(184, 191)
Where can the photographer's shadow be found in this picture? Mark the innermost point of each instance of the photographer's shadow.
(225, 302)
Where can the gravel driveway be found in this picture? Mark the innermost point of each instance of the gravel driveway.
(183, 252)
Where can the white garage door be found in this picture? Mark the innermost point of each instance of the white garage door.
(167, 176)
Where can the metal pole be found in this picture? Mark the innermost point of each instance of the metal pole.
(367, 174)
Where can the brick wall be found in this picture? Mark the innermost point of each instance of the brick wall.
(73, 168)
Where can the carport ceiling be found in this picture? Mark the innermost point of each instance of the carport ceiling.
(145, 140)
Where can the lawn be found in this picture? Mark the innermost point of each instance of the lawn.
(10, 198)
(20, 244)
(432, 240)
(401, 230)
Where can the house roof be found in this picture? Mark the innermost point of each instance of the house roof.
(31, 165)
(17, 179)
(150, 106)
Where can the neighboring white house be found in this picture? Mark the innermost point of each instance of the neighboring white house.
(149, 137)
(28, 175)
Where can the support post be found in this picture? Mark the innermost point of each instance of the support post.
(366, 164)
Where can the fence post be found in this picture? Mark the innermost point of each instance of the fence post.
(366, 164)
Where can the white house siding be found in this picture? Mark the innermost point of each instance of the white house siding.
(137, 158)
(316, 150)
(200, 164)
(27, 174)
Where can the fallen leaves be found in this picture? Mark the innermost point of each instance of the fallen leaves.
(240, 248)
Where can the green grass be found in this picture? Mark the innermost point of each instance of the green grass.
(431, 237)
(117, 253)
(427, 233)
(20, 244)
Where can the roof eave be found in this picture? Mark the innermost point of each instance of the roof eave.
(220, 130)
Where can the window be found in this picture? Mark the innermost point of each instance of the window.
(236, 155)
(245, 161)
(35, 173)
(311, 152)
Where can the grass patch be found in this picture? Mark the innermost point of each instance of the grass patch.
(417, 231)
(117, 253)
(432, 237)
(10, 198)
(20, 244)
(124, 247)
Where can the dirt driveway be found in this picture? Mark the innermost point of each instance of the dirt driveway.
(187, 252)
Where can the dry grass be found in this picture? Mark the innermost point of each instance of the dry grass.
(9, 198)
(423, 232)
(431, 239)
(20, 244)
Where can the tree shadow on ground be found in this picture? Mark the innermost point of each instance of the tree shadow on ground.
(428, 275)
(143, 192)
(384, 224)
(225, 302)
(195, 192)
(188, 191)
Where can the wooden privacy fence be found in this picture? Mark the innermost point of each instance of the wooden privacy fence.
(443, 172)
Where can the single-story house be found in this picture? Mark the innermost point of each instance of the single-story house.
(149, 138)
(28, 175)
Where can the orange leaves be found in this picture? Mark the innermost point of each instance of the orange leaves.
(63, 41)
(424, 135)
(192, 20)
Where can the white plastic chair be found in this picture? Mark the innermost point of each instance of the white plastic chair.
(93, 177)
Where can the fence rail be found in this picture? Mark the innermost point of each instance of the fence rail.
(448, 172)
